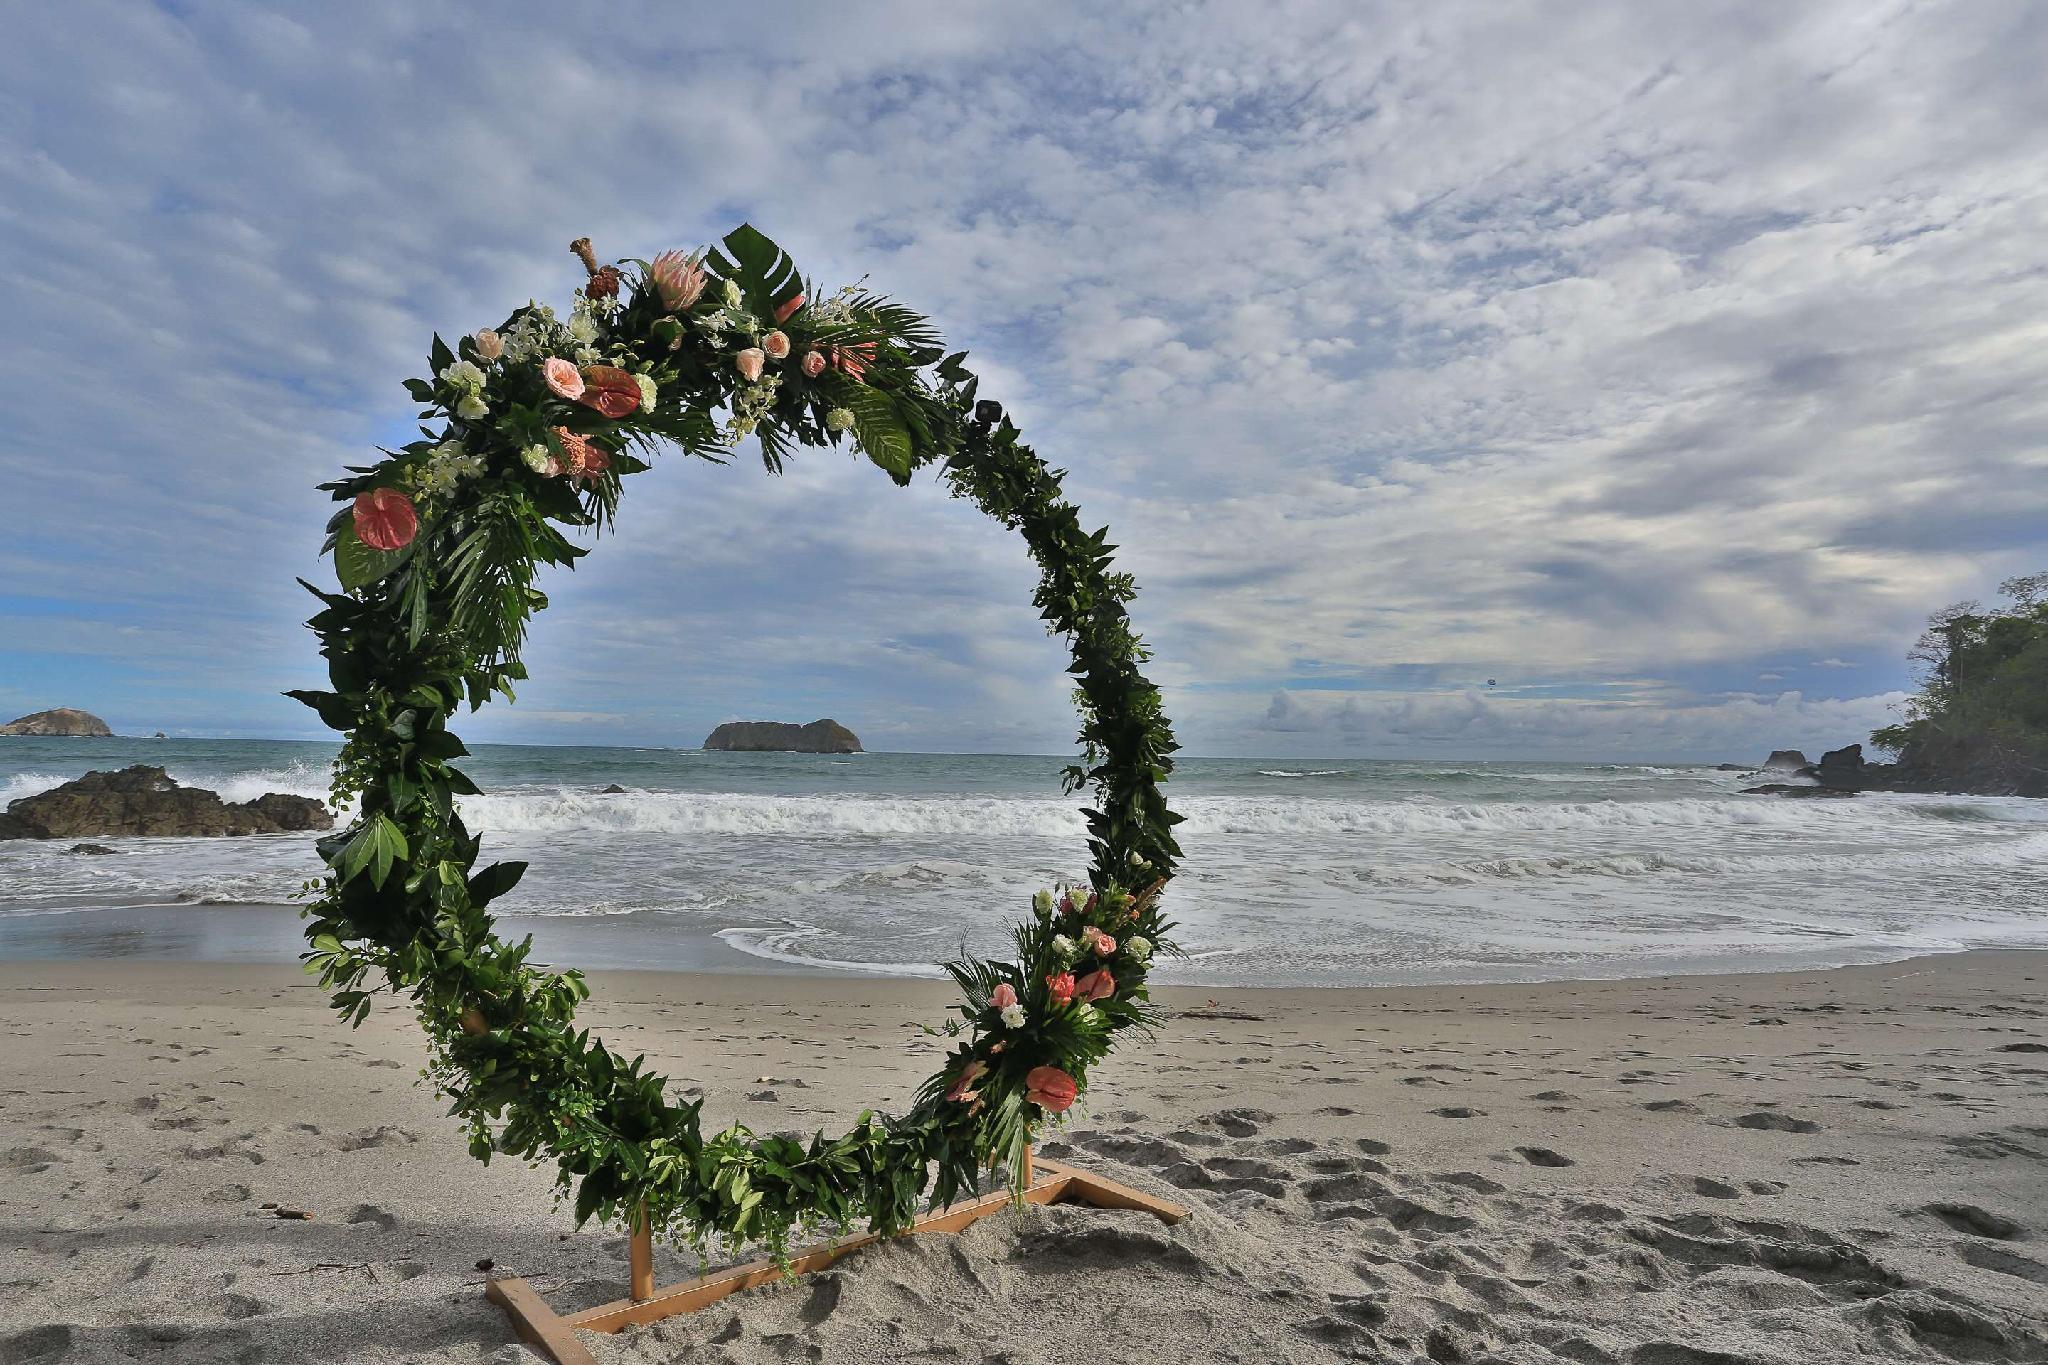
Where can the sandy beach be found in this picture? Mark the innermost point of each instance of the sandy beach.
(1840, 1165)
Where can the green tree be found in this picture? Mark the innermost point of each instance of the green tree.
(1980, 719)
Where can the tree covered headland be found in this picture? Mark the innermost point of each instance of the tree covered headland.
(1980, 720)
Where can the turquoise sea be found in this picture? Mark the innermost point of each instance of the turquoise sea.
(1322, 872)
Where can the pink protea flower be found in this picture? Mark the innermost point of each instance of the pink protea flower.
(610, 390)
(385, 519)
(750, 363)
(1050, 1088)
(1060, 985)
(1097, 985)
(788, 306)
(814, 363)
(565, 379)
(678, 279)
(489, 345)
(776, 344)
(1003, 996)
(963, 1085)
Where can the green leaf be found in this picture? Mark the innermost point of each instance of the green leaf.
(880, 430)
(356, 565)
(759, 267)
(494, 881)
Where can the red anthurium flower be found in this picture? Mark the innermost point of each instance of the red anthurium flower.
(1050, 1088)
(789, 306)
(963, 1085)
(1097, 985)
(385, 519)
(610, 390)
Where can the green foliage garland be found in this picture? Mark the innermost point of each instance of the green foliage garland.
(530, 428)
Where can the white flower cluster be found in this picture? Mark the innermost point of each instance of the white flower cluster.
(1013, 1016)
(534, 334)
(448, 465)
(752, 403)
(468, 382)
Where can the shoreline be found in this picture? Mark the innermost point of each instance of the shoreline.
(244, 933)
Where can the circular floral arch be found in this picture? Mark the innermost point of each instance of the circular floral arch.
(531, 427)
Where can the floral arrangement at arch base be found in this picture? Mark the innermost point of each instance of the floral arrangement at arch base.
(528, 430)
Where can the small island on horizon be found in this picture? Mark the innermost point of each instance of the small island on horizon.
(59, 721)
(774, 736)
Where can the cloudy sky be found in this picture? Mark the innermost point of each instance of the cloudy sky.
(1664, 364)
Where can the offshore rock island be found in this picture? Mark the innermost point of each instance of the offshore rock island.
(774, 736)
(61, 721)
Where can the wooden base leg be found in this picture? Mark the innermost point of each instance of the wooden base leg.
(536, 1323)
(1049, 1182)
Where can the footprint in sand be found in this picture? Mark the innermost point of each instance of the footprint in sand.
(2004, 1262)
(370, 1213)
(1238, 1122)
(1714, 1189)
(1978, 1222)
(1763, 1120)
(1543, 1156)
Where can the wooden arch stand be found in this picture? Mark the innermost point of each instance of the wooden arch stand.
(554, 1335)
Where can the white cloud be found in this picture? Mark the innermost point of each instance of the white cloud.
(1393, 342)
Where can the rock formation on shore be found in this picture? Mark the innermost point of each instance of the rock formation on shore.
(1786, 761)
(772, 736)
(60, 721)
(145, 802)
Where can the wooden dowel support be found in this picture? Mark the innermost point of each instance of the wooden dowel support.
(640, 1257)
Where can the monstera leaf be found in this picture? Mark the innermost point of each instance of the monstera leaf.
(762, 270)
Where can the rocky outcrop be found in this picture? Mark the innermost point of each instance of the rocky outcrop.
(772, 736)
(1794, 789)
(145, 802)
(61, 721)
(1786, 761)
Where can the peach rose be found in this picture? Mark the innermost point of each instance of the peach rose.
(385, 519)
(776, 344)
(750, 362)
(788, 306)
(562, 377)
(1051, 1089)
(1097, 985)
(1003, 996)
(814, 363)
(489, 345)
(1102, 943)
(1061, 987)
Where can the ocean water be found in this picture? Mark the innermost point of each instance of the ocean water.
(1298, 872)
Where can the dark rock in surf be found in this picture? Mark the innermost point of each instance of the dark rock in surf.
(1794, 789)
(144, 802)
(1786, 761)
